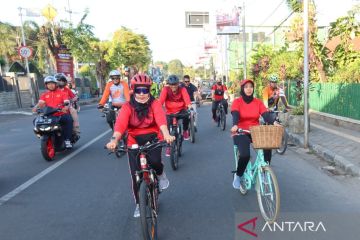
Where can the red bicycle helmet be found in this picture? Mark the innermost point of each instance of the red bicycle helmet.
(245, 81)
(140, 80)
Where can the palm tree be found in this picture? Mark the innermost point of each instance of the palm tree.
(8, 42)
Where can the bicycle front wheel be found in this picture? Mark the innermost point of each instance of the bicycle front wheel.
(268, 195)
(174, 155)
(223, 120)
(192, 129)
(148, 215)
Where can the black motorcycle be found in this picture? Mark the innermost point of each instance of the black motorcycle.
(48, 129)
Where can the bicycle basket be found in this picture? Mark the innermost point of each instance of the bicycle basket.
(267, 136)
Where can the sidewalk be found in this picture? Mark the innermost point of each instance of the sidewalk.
(337, 145)
(27, 111)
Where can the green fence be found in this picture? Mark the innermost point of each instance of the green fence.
(334, 98)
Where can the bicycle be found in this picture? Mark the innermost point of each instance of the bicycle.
(148, 186)
(107, 110)
(177, 131)
(263, 177)
(221, 116)
(285, 138)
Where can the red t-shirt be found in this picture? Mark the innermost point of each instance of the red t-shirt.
(68, 91)
(174, 103)
(219, 91)
(55, 99)
(128, 120)
(249, 113)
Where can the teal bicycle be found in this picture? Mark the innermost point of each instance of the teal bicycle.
(260, 175)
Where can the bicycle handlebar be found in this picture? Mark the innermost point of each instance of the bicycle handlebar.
(147, 147)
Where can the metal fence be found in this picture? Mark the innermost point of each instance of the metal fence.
(341, 99)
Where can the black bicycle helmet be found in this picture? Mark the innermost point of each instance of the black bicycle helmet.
(173, 79)
(60, 77)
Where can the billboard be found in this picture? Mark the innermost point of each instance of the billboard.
(64, 63)
(228, 20)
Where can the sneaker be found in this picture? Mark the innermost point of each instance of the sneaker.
(68, 144)
(186, 135)
(167, 151)
(237, 181)
(137, 211)
(163, 181)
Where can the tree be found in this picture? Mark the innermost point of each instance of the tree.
(317, 53)
(129, 49)
(8, 42)
(79, 40)
(176, 67)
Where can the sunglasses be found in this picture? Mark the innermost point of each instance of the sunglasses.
(176, 84)
(186, 81)
(115, 78)
(142, 90)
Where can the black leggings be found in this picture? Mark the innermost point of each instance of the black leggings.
(215, 105)
(243, 144)
(185, 120)
(153, 158)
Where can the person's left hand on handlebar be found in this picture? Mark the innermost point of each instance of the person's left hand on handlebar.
(168, 138)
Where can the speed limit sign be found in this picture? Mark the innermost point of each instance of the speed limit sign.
(25, 52)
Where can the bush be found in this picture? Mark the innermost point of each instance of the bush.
(347, 74)
(299, 110)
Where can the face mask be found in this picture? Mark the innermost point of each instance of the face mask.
(218, 83)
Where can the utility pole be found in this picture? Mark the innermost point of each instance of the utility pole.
(244, 37)
(306, 73)
(26, 61)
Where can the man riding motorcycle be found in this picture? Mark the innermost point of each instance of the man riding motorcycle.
(118, 91)
(57, 98)
(63, 86)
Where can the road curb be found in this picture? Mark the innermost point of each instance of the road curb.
(328, 155)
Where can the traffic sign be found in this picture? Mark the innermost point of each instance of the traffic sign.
(25, 52)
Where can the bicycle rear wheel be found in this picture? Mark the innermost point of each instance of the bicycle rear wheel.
(222, 120)
(148, 215)
(284, 142)
(268, 194)
(174, 155)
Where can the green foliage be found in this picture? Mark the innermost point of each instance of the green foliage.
(79, 41)
(129, 49)
(349, 73)
(298, 110)
(189, 71)
(176, 67)
(286, 64)
(8, 40)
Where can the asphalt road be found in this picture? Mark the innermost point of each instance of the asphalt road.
(88, 196)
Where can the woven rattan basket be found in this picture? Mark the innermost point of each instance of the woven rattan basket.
(267, 136)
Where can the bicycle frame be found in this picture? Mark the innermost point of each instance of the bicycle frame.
(254, 169)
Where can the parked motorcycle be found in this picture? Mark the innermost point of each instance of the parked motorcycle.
(48, 129)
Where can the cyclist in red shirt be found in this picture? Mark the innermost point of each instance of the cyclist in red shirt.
(217, 93)
(56, 98)
(62, 85)
(177, 100)
(143, 118)
(246, 111)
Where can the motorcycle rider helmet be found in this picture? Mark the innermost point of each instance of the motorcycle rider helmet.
(61, 77)
(50, 79)
(140, 80)
(172, 80)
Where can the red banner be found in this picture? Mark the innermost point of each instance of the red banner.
(65, 64)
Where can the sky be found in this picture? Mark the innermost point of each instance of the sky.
(163, 21)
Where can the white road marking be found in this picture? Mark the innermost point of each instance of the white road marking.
(36, 178)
